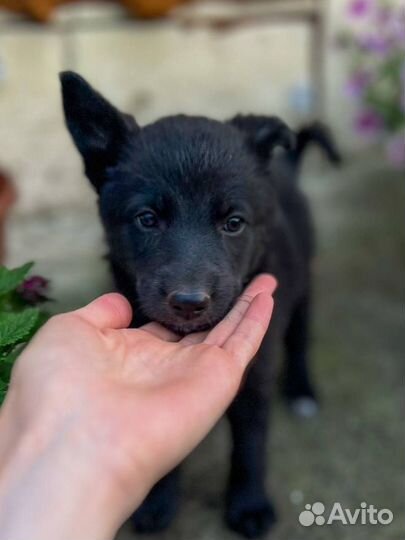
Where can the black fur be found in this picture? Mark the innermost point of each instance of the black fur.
(194, 174)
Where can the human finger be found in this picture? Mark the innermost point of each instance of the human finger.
(110, 310)
(246, 338)
(226, 327)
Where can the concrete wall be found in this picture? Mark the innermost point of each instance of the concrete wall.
(150, 71)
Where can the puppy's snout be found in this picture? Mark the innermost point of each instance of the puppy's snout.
(189, 304)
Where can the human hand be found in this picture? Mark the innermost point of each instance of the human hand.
(119, 407)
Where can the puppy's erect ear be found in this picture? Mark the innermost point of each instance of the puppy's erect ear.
(98, 129)
(265, 133)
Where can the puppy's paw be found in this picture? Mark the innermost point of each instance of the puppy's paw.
(304, 407)
(300, 397)
(154, 516)
(250, 520)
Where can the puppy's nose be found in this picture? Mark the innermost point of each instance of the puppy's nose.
(189, 304)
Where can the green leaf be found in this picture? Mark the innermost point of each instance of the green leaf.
(17, 327)
(10, 279)
(3, 390)
(5, 371)
(7, 362)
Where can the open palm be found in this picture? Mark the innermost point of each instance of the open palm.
(142, 398)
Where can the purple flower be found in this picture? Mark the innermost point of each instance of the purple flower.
(359, 8)
(358, 83)
(391, 23)
(33, 290)
(375, 44)
(395, 149)
(368, 123)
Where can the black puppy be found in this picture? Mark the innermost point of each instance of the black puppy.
(193, 209)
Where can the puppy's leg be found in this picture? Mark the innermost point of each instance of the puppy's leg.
(297, 386)
(160, 506)
(248, 509)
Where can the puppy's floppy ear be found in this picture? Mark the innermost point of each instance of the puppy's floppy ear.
(98, 129)
(265, 133)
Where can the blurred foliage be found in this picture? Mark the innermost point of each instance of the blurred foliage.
(375, 38)
(20, 318)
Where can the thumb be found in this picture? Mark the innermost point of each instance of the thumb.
(111, 310)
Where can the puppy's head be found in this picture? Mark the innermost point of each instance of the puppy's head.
(184, 201)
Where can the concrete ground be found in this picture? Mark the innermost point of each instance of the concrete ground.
(353, 451)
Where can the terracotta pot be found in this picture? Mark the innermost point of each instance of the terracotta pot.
(150, 9)
(41, 10)
(8, 196)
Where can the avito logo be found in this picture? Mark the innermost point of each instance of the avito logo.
(314, 514)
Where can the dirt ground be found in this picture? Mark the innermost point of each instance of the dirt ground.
(354, 450)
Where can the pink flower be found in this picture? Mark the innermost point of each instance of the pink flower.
(395, 149)
(359, 8)
(368, 123)
(33, 290)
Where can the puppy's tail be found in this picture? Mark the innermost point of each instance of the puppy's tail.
(319, 135)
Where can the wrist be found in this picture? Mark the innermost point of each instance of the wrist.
(53, 486)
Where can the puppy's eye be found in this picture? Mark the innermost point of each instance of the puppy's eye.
(234, 225)
(147, 220)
